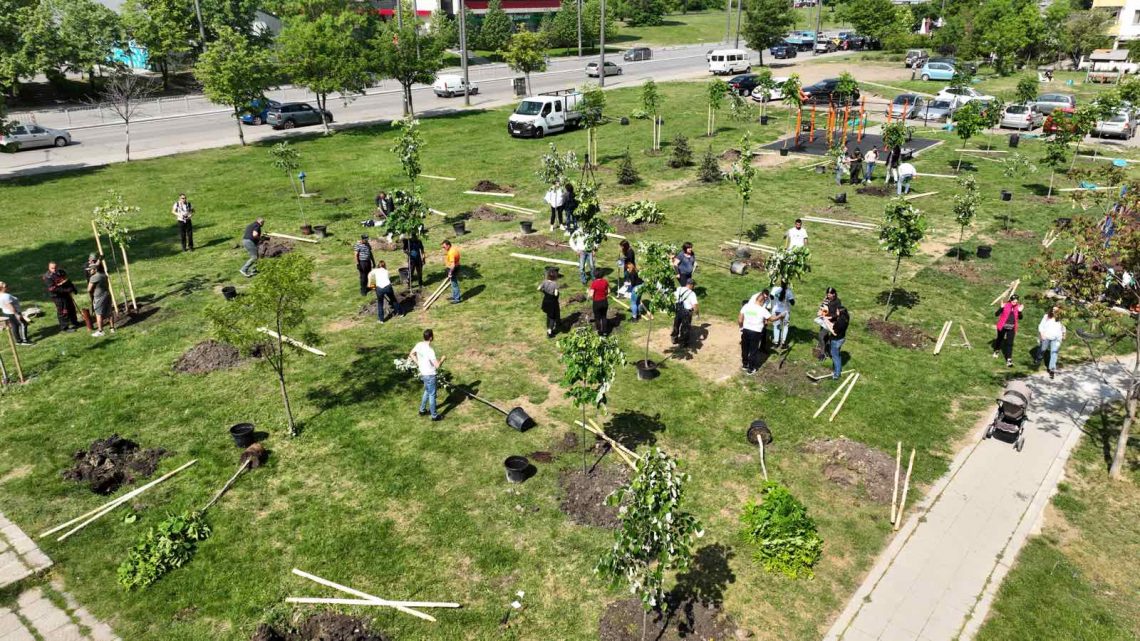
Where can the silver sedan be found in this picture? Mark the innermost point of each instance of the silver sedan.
(31, 136)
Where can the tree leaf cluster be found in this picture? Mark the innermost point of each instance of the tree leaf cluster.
(785, 537)
(591, 363)
(167, 546)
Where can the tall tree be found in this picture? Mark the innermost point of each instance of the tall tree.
(526, 53)
(88, 31)
(166, 28)
(1085, 31)
(326, 54)
(234, 72)
(1005, 31)
(407, 57)
(495, 32)
(445, 29)
(238, 15)
(901, 231)
(766, 22)
(592, 18)
(879, 19)
(12, 63)
(644, 13)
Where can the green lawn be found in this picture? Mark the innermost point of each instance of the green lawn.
(707, 26)
(1079, 578)
(373, 496)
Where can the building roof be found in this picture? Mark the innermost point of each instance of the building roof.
(1109, 55)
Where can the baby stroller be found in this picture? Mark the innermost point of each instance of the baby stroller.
(1012, 413)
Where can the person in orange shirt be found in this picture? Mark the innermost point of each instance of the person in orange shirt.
(451, 261)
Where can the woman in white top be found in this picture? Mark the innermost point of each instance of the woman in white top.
(555, 197)
(781, 302)
(1051, 332)
(11, 312)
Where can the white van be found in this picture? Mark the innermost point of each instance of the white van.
(447, 86)
(726, 61)
(545, 113)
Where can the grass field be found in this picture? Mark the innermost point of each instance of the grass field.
(373, 496)
(706, 26)
(1078, 579)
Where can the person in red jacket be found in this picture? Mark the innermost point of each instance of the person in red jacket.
(1008, 315)
(599, 290)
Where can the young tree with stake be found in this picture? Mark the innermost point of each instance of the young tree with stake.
(407, 148)
(234, 72)
(1057, 147)
(717, 90)
(276, 300)
(765, 83)
(1015, 166)
(743, 176)
(651, 102)
(593, 115)
(967, 123)
(658, 277)
(966, 207)
(109, 221)
(794, 101)
(902, 229)
(591, 362)
(286, 158)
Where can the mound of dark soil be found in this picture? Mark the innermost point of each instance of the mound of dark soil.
(406, 300)
(1021, 234)
(382, 245)
(490, 214)
(273, 248)
(961, 269)
(852, 464)
(731, 155)
(324, 626)
(756, 261)
(539, 241)
(111, 463)
(873, 191)
(897, 334)
(623, 226)
(207, 356)
(584, 495)
(575, 298)
(541, 457)
(687, 621)
(487, 185)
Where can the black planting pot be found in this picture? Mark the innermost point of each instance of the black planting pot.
(1014, 140)
(526, 226)
(405, 275)
(984, 251)
(229, 292)
(517, 467)
(1062, 222)
(321, 230)
(306, 229)
(738, 267)
(820, 169)
(840, 198)
(1006, 195)
(519, 419)
(242, 434)
(757, 429)
(764, 119)
(460, 227)
(743, 252)
(783, 151)
(624, 121)
(647, 370)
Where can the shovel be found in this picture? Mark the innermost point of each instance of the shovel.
(251, 457)
(517, 418)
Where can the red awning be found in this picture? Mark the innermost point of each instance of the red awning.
(392, 12)
(514, 6)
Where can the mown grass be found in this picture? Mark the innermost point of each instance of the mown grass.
(371, 495)
(1079, 578)
(707, 26)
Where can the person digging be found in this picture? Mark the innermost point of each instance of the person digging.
(423, 355)
(249, 240)
(686, 304)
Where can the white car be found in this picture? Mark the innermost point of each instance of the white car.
(775, 93)
(958, 96)
(31, 136)
(446, 86)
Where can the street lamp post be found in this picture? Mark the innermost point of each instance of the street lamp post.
(579, 28)
(602, 47)
(463, 52)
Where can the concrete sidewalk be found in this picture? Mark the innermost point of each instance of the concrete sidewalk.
(937, 579)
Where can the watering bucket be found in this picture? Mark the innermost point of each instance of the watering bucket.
(517, 467)
(519, 419)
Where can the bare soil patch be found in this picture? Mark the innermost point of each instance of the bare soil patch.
(407, 301)
(730, 155)
(713, 351)
(1020, 234)
(873, 191)
(1044, 200)
(584, 495)
(688, 620)
(207, 356)
(273, 248)
(897, 334)
(488, 185)
(323, 626)
(756, 261)
(623, 226)
(770, 160)
(490, 214)
(961, 269)
(539, 241)
(852, 464)
(383, 245)
(111, 463)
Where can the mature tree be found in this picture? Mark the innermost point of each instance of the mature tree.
(234, 72)
(563, 31)
(326, 54)
(238, 15)
(766, 23)
(592, 18)
(408, 57)
(1026, 90)
(13, 65)
(525, 54)
(879, 19)
(644, 13)
(124, 95)
(1085, 31)
(1129, 89)
(1006, 29)
(445, 29)
(42, 49)
(88, 32)
(165, 27)
(968, 122)
(496, 30)
(275, 301)
(901, 231)
(966, 207)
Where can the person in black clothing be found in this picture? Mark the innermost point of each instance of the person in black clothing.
(550, 304)
(569, 206)
(894, 158)
(625, 255)
(183, 213)
(838, 337)
(414, 250)
(249, 240)
(62, 291)
(857, 166)
(828, 310)
(384, 204)
(362, 253)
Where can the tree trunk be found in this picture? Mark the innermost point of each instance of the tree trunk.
(894, 279)
(322, 100)
(961, 233)
(127, 132)
(582, 430)
(241, 132)
(281, 377)
(1051, 173)
(165, 69)
(1119, 457)
(961, 151)
(528, 90)
(648, 334)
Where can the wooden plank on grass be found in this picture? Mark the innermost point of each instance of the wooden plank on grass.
(489, 193)
(436, 177)
(937, 175)
(526, 210)
(292, 341)
(557, 261)
(303, 240)
(914, 196)
(436, 211)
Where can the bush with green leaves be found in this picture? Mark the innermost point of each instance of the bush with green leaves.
(788, 264)
(1026, 91)
(682, 154)
(167, 546)
(709, 170)
(786, 538)
(640, 212)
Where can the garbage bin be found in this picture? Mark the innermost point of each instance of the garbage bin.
(520, 87)
(1014, 140)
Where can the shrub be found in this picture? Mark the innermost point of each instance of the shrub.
(165, 547)
(682, 155)
(627, 173)
(709, 171)
(786, 537)
(640, 211)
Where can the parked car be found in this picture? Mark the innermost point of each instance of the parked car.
(783, 51)
(1122, 126)
(611, 69)
(904, 105)
(825, 45)
(959, 96)
(32, 136)
(953, 62)
(637, 53)
(725, 61)
(934, 111)
(823, 92)
(1026, 117)
(1046, 103)
(744, 84)
(447, 85)
(775, 93)
(296, 114)
(915, 58)
(258, 111)
(936, 71)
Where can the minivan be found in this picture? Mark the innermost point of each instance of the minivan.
(446, 86)
(637, 53)
(725, 61)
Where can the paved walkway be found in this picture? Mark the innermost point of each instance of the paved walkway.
(52, 618)
(937, 579)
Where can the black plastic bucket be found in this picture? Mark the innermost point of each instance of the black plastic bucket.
(519, 419)
(526, 226)
(405, 276)
(229, 292)
(1014, 140)
(840, 198)
(783, 151)
(647, 370)
(320, 230)
(984, 251)
(764, 119)
(460, 227)
(242, 434)
(759, 429)
(1006, 195)
(738, 267)
(517, 467)
(1062, 223)
(820, 169)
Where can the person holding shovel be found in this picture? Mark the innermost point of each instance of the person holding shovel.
(183, 211)
(825, 318)
(62, 291)
(379, 280)
(1008, 315)
(685, 303)
(249, 240)
(414, 250)
(550, 305)
(423, 355)
(362, 253)
(10, 311)
(99, 291)
(451, 261)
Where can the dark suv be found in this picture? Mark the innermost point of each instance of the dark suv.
(783, 50)
(295, 114)
(823, 92)
(638, 53)
(744, 84)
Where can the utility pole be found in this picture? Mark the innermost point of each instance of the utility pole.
(201, 27)
(602, 47)
(579, 28)
(818, 26)
(463, 52)
(739, 6)
(399, 15)
(727, 20)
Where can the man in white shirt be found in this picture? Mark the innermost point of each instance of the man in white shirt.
(183, 213)
(907, 172)
(685, 305)
(556, 198)
(578, 244)
(425, 359)
(754, 315)
(1051, 332)
(796, 236)
(379, 280)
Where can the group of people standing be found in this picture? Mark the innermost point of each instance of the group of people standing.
(1050, 334)
(563, 203)
(861, 168)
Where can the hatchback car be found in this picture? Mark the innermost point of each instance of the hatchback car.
(825, 45)
(904, 105)
(1026, 117)
(1122, 126)
(936, 71)
(258, 111)
(32, 136)
(637, 53)
(823, 92)
(744, 84)
(759, 94)
(1046, 103)
(296, 114)
(959, 96)
(915, 58)
(782, 51)
(934, 111)
(611, 69)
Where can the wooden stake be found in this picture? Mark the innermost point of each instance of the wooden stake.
(913, 196)
(598, 429)
(436, 177)
(557, 261)
(127, 269)
(438, 212)
(489, 193)
(906, 488)
(942, 336)
(15, 356)
(763, 467)
(436, 294)
(241, 468)
(292, 341)
(966, 340)
(297, 238)
(833, 395)
(515, 208)
(895, 492)
(108, 507)
(621, 450)
(854, 379)
(407, 604)
(620, 301)
(375, 599)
